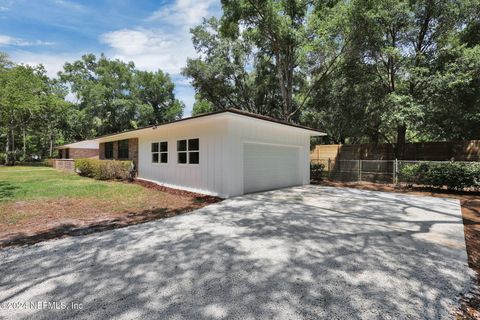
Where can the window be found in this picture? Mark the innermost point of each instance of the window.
(123, 149)
(164, 152)
(188, 151)
(160, 152)
(109, 150)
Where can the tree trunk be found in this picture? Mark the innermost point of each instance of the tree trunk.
(13, 148)
(7, 149)
(401, 139)
(24, 144)
(283, 89)
(51, 145)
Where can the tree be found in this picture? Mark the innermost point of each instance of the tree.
(20, 91)
(221, 74)
(452, 97)
(201, 106)
(408, 72)
(400, 40)
(297, 36)
(156, 90)
(115, 97)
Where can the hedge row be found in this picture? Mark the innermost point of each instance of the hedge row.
(453, 175)
(104, 169)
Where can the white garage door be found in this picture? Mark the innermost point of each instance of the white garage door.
(268, 167)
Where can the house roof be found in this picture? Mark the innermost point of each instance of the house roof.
(232, 111)
(85, 144)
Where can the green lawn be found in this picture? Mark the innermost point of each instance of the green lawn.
(37, 203)
(31, 183)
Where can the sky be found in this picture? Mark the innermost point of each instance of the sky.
(152, 34)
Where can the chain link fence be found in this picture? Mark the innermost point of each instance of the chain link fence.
(378, 171)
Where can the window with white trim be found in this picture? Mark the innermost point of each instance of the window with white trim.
(160, 152)
(188, 151)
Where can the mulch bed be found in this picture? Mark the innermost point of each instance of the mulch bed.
(200, 197)
(470, 202)
(64, 217)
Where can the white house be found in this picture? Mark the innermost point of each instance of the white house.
(226, 153)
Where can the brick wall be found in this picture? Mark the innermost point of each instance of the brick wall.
(64, 164)
(74, 153)
(83, 153)
(132, 151)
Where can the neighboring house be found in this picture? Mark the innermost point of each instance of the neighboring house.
(69, 152)
(226, 153)
(82, 149)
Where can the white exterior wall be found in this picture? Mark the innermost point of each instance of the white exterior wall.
(247, 130)
(205, 177)
(222, 138)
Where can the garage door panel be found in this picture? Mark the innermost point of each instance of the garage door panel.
(268, 167)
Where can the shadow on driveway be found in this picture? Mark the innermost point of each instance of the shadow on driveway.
(306, 252)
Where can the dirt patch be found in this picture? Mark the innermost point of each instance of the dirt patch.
(470, 203)
(29, 222)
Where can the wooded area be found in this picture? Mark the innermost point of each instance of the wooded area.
(108, 96)
(364, 71)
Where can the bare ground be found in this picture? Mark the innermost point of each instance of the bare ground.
(40, 220)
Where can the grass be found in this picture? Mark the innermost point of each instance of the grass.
(33, 183)
(38, 202)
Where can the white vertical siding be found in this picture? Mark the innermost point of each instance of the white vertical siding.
(244, 130)
(222, 139)
(207, 176)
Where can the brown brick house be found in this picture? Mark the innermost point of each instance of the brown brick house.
(77, 150)
(125, 149)
(69, 152)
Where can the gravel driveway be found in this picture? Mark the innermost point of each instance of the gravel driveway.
(305, 252)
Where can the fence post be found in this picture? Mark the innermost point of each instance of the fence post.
(328, 174)
(360, 170)
(395, 171)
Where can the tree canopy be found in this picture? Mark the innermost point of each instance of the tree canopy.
(109, 96)
(363, 70)
(116, 97)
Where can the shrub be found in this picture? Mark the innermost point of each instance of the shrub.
(316, 171)
(86, 167)
(453, 175)
(112, 169)
(104, 169)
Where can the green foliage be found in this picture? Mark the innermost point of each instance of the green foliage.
(114, 96)
(221, 76)
(155, 89)
(201, 106)
(453, 175)
(86, 167)
(21, 90)
(316, 171)
(266, 56)
(111, 96)
(114, 169)
(104, 169)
